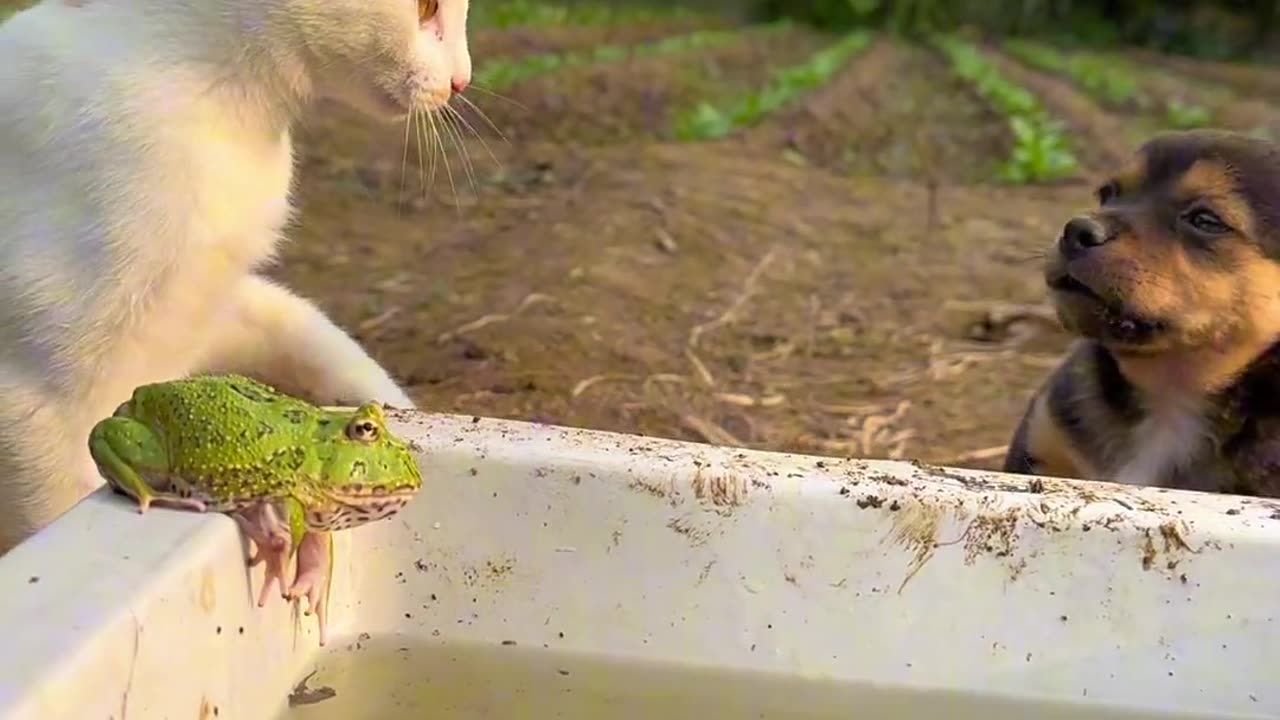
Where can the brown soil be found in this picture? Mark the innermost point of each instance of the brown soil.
(1232, 105)
(641, 96)
(842, 321)
(722, 291)
(1163, 85)
(923, 124)
(521, 42)
(1247, 80)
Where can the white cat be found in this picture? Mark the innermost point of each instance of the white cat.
(145, 173)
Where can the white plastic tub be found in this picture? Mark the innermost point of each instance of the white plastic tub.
(554, 573)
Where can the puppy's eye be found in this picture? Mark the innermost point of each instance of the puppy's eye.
(427, 9)
(1206, 221)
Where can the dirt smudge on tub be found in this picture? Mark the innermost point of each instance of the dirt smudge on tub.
(684, 526)
(915, 527)
(499, 568)
(654, 489)
(725, 490)
(208, 591)
(991, 534)
(1166, 546)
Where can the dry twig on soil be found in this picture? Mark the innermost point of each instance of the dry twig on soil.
(875, 431)
(726, 317)
(529, 300)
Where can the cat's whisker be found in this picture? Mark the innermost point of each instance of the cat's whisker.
(428, 132)
(464, 153)
(477, 135)
(485, 117)
(463, 124)
(421, 142)
(444, 155)
(404, 165)
(497, 95)
(428, 144)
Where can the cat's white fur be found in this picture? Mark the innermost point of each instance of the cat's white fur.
(145, 173)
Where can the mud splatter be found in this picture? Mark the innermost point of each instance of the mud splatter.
(915, 528)
(991, 534)
(724, 490)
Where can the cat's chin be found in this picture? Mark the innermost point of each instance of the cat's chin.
(380, 106)
(370, 100)
(384, 107)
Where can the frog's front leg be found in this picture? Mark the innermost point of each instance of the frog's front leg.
(262, 523)
(315, 565)
(121, 447)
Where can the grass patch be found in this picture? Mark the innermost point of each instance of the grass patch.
(709, 122)
(540, 13)
(1041, 151)
(500, 74)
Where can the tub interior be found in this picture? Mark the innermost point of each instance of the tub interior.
(398, 677)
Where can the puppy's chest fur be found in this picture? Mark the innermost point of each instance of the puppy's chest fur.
(1225, 442)
(1172, 444)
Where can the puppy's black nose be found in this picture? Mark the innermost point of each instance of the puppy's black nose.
(1079, 235)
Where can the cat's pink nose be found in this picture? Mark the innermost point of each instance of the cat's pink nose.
(459, 84)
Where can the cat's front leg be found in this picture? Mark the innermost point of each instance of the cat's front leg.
(273, 335)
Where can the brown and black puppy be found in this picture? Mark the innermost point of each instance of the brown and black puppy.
(1172, 285)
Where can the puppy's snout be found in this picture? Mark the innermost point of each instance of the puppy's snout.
(1080, 235)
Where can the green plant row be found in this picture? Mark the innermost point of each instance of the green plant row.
(1208, 28)
(1041, 151)
(500, 74)
(542, 13)
(708, 122)
(1107, 79)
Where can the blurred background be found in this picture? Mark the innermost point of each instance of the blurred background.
(808, 226)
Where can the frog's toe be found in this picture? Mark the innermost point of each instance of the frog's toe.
(271, 578)
(312, 579)
(316, 605)
(277, 557)
(177, 503)
(274, 573)
(269, 548)
(309, 584)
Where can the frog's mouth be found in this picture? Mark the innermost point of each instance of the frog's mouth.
(348, 508)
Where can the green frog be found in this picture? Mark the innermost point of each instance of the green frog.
(290, 473)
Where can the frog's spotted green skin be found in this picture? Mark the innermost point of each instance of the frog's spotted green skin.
(231, 444)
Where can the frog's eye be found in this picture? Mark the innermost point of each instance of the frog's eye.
(365, 431)
(427, 9)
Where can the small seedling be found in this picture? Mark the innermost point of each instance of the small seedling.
(708, 122)
(1041, 151)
